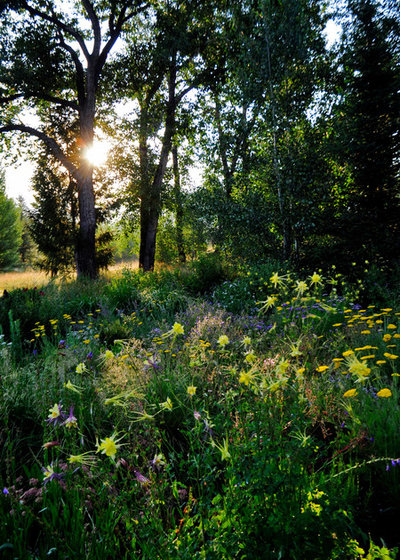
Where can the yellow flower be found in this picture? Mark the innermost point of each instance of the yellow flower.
(109, 355)
(384, 393)
(178, 329)
(348, 353)
(55, 412)
(80, 368)
(246, 377)
(223, 340)
(350, 393)
(191, 390)
(72, 387)
(391, 326)
(387, 337)
(250, 357)
(316, 279)
(166, 405)
(109, 446)
(320, 369)
(380, 362)
(246, 341)
(301, 287)
(390, 356)
(277, 280)
(366, 332)
(83, 459)
(360, 369)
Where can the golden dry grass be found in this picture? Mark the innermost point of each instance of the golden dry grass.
(31, 278)
(22, 279)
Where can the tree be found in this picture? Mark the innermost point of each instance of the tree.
(163, 62)
(369, 136)
(10, 229)
(57, 58)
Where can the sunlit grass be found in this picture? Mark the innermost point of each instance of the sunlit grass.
(22, 279)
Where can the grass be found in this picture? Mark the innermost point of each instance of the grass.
(140, 420)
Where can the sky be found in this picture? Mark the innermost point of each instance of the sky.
(18, 176)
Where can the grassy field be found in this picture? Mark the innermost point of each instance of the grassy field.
(197, 414)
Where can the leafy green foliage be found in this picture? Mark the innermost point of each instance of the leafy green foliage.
(10, 230)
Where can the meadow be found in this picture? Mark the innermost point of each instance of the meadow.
(200, 413)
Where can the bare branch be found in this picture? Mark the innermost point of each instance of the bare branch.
(50, 142)
(95, 26)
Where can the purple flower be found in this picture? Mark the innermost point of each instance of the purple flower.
(5, 491)
(49, 474)
(89, 356)
(141, 479)
(71, 421)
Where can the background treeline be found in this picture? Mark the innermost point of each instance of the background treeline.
(297, 142)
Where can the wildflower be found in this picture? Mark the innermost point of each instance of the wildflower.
(108, 355)
(390, 356)
(282, 367)
(246, 341)
(246, 377)
(166, 405)
(197, 415)
(223, 340)
(83, 459)
(50, 474)
(351, 393)
(49, 444)
(295, 351)
(384, 393)
(225, 455)
(320, 369)
(109, 446)
(72, 387)
(158, 461)
(387, 337)
(391, 326)
(316, 279)
(56, 414)
(191, 390)
(80, 368)
(178, 329)
(269, 302)
(250, 357)
(360, 369)
(141, 479)
(71, 421)
(347, 353)
(277, 280)
(301, 287)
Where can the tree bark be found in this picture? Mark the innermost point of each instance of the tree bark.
(150, 206)
(178, 206)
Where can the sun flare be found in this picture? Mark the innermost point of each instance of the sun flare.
(97, 153)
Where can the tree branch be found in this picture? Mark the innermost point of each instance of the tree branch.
(59, 24)
(50, 142)
(95, 26)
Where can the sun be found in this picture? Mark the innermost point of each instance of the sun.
(97, 153)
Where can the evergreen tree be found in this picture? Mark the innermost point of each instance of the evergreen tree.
(370, 121)
(10, 229)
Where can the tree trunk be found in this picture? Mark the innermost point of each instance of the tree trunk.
(179, 208)
(150, 207)
(86, 242)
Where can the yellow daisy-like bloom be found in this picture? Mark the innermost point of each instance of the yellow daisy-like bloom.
(223, 340)
(320, 369)
(347, 353)
(350, 393)
(366, 332)
(391, 326)
(384, 393)
(380, 362)
(397, 335)
(387, 337)
(390, 356)
(191, 390)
